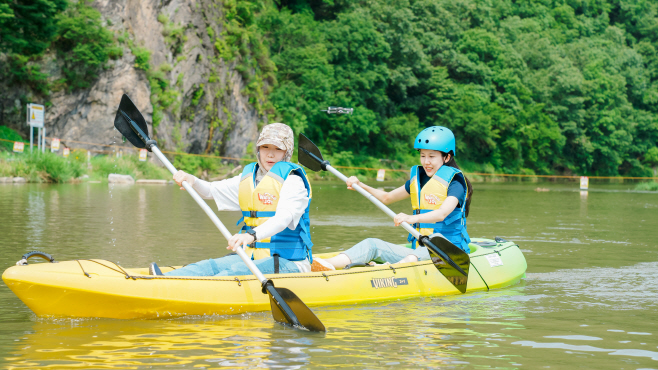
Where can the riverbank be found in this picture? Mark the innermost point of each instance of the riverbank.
(36, 167)
(647, 186)
(50, 167)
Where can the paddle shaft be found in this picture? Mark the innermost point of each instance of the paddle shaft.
(375, 201)
(405, 225)
(213, 217)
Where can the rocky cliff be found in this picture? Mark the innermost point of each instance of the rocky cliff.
(198, 105)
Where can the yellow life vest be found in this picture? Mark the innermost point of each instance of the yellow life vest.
(258, 203)
(431, 197)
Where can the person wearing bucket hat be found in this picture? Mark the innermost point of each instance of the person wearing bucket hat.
(274, 196)
(440, 198)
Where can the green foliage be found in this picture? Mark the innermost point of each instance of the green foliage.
(142, 57)
(174, 34)
(21, 69)
(52, 167)
(197, 95)
(163, 95)
(647, 186)
(75, 31)
(28, 27)
(39, 167)
(195, 164)
(84, 44)
(243, 40)
(533, 87)
(128, 164)
(651, 157)
(8, 134)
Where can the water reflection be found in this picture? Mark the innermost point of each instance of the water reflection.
(36, 218)
(420, 332)
(141, 207)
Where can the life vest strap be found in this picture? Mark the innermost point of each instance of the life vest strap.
(456, 216)
(279, 246)
(256, 214)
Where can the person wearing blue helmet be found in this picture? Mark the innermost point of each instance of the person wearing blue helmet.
(440, 198)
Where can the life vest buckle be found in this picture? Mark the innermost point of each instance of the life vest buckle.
(253, 214)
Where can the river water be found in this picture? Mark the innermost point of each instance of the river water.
(589, 300)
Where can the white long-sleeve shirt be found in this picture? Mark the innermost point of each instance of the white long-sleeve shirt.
(293, 200)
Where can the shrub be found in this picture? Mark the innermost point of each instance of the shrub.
(647, 186)
(8, 134)
(84, 44)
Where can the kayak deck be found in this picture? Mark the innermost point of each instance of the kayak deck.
(99, 288)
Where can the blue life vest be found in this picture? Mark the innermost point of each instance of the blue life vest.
(258, 203)
(431, 197)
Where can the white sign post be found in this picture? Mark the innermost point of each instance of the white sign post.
(35, 118)
(54, 145)
(381, 174)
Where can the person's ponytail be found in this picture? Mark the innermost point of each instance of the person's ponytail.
(453, 163)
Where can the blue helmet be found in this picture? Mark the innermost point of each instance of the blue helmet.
(436, 138)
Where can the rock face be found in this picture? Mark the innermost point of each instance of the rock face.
(209, 112)
(114, 178)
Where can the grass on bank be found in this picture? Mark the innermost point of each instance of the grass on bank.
(647, 186)
(53, 168)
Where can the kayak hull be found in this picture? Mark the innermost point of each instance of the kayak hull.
(99, 288)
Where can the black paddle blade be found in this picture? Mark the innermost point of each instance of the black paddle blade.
(129, 122)
(308, 154)
(288, 309)
(449, 260)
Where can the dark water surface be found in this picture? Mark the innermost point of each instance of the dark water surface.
(589, 301)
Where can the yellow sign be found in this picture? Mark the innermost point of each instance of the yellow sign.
(35, 115)
(66, 152)
(142, 155)
(19, 146)
(381, 174)
(54, 145)
(584, 182)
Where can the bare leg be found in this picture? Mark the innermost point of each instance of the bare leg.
(339, 261)
(409, 258)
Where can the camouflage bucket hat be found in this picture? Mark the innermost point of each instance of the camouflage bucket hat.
(278, 134)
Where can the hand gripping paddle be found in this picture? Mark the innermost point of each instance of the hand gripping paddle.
(449, 259)
(287, 308)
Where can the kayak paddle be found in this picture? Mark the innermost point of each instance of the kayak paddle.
(453, 262)
(286, 307)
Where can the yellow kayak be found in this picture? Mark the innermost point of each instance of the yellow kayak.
(100, 288)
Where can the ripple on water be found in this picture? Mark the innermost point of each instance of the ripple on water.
(584, 348)
(572, 337)
(629, 287)
(351, 221)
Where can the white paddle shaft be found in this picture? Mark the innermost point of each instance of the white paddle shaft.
(375, 201)
(213, 217)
